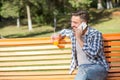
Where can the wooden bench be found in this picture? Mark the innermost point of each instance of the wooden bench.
(38, 59)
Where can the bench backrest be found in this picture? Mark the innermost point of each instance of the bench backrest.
(37, 58)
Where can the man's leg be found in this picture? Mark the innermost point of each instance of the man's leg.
(96, 72)
(81, 74)
(91, 72)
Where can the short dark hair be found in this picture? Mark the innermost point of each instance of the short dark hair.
(83, 14)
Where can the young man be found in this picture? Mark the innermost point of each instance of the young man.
(87, 48)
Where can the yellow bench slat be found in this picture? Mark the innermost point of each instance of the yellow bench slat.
(112, 54)
(33, 73)
(113, 59)
(34, 57)
(114, 64)
(27, 63)
(25, 53)
(34, 68)
(112, 43)
(42, 47)
(55, 77)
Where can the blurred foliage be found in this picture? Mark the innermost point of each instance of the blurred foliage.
(9, 10)
(44, 11)
(77, 4)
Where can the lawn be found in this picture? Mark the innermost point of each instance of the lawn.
(13, 32)
(106, 24)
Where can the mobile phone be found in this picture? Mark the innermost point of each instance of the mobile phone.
(82, 26)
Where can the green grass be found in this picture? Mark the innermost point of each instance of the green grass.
(108, 25)
(13, 32)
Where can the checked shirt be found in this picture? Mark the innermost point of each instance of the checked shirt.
(93, 47)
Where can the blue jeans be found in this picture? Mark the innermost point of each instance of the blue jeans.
(91, 72)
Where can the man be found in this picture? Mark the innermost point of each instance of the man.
(87, 48)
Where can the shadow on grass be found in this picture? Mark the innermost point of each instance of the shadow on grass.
(27, 35)
(96, 16)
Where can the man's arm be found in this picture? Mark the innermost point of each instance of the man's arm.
(61, 35)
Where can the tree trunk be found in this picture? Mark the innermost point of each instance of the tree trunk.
(18, 22)
(29, 18)
(109, 4)
(117, 3)
(99, 5)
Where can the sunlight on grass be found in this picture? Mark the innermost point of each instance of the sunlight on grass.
(13, 31)
(109, 25)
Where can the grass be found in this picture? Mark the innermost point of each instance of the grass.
(106, 23)
(13, 32)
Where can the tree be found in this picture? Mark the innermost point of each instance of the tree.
(9, 10)
(29, 18)
(99, 5)
(109, 4)
(13, 9)
(116, 3)
(85, 4)
(0, 9)
(18, 3)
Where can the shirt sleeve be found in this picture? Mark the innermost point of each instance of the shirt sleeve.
(93, 46)
(65, 32)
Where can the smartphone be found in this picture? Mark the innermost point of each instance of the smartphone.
(82, 26)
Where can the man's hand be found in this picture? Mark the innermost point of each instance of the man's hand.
(78, 33)
(55, 39)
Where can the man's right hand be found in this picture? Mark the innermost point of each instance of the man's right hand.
(55, 39)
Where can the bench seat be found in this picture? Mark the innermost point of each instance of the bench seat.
(38, 59)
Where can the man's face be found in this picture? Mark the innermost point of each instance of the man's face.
(75, 22)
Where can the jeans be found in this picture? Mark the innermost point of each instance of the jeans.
(91, 72)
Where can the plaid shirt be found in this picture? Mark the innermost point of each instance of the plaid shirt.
(93, 47)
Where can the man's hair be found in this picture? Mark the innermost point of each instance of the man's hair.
(83, 14)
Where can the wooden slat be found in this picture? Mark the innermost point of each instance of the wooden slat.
(115, 36)
(57, 77)
(117, 70)
(60, 77)
(26, 63)
(113, 74)
(34, 68)
(33, 73)
(112, 54)
(114, 64)
(42, 47)
(110, 38)
(112, 43)
(25, 41)
(47, 52)
(111, 34)
(34, 57)
(113, 78)
(113, 59)
(112, 49)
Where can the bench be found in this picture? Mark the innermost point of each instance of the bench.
(38, 59)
